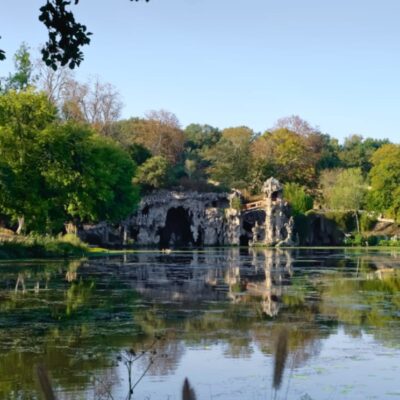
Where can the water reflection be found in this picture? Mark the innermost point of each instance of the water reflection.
(79, 317)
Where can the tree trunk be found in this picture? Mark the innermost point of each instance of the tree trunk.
(21, 225)
(357, 221)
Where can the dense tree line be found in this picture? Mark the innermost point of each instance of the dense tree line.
(66, 156)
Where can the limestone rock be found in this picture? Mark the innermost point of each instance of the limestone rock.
(185, 219)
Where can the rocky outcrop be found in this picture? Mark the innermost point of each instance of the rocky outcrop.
(316, 229)
(190, 219)
(185, 219)
(277, 226)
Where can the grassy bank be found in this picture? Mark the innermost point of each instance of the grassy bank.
(42, 247)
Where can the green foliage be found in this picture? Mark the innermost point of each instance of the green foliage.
(25, 112)
(286, 155)
(87, 176)
(200, 137)
(357, 152)
(371, 240)
(358, 240)
(66, 36)
(236, 203)
(35, 246)
(329, 156)
(22, 78)
(367, 222)
(343, 189)
(198, 140)
(139, 154)
(22, 116)
(230, 158)
(51, 172)
(298, 198)
(389, 243)
(155, 173)
(384, 176)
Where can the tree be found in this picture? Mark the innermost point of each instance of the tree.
(23, 77)
(298, 198)
(126, 131)
(104, 190)
(160, 132)
(356, 152)
(22, 116)
(52, 172)
(230, 158)
(328, 151)
(199, 137)
(295, 124)
(286, 155)
(139, 154)
(53, 82)
(154, 173)
(198, 140)
(385, 181)
(87, 178)
(96, 103)
(344, 189)
(66, 36)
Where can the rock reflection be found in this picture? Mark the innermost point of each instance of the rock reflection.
(272, 272)
(78, 316)
(210, 277)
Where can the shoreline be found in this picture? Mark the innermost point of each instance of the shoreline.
(98, 252)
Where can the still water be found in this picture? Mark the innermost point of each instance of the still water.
(238, 323)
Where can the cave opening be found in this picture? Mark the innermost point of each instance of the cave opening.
(177, 232)
(249, 221)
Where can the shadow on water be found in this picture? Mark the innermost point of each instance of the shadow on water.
(79, 318)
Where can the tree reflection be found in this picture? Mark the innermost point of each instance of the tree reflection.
(79, 316)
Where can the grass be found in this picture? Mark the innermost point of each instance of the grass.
(35, 246)
(70, 246)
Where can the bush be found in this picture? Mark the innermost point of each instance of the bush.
(154, 173)
(367, 222)
(389, 242)
(236, 203)
(357, 240)
(299, 200)
(35, 246)
(372, 240)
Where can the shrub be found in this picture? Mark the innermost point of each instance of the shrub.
(236, 203)
(35, 246)
(389, 242)
(358, 240)
(367, 222)
(299, 200)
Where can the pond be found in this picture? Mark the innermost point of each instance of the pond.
(238, 323)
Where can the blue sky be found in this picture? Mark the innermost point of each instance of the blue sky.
(240, 62)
